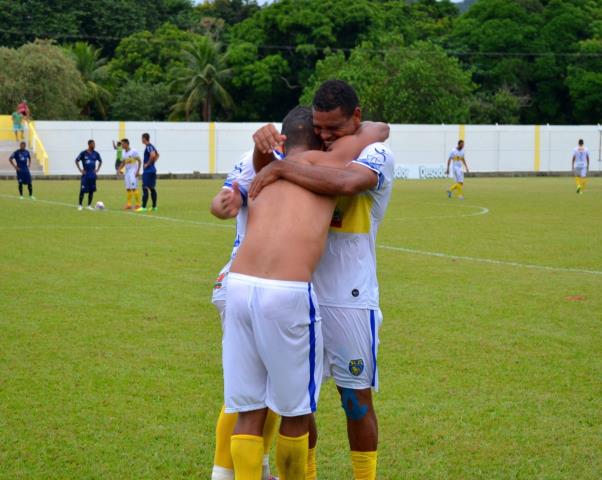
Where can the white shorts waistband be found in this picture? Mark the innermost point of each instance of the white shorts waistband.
(268, 282)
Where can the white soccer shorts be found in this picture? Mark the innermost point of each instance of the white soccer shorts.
(351, 346)
(130, 180)
(272, 346)
(458, 173)
(581, 171)
(218, 297)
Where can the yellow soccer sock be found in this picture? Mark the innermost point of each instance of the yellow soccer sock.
(583, 180)
(223, 432)
(291, 457)
(269, 430)
(247, 456)
(460, 190)
(364, 465)
(312, 470)
(453, 187)
(129, 198)
(137, 197)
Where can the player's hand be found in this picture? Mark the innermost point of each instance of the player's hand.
(231, 200)
(268, 174)
(267, 138)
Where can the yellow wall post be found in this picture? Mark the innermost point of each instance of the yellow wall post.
(537, 149)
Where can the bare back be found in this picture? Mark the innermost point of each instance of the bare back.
(286, 233)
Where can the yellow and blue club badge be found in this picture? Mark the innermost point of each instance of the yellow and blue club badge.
(356, 367)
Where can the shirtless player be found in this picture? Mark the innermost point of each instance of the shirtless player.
(272, 343)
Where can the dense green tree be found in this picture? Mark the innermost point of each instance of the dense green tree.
(416, 84)
(100, 22)
(584, 81)
(43, 74)
(200, 81)
(93, 72)
(141, 101)
(230, 11)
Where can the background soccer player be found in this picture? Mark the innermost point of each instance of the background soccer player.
(459, 162)
(21, 161)
(131, 163)
(149, 174)
(88, 159)
(580, 165)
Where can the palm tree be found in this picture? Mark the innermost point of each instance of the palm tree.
(199, 82)
(93, 71)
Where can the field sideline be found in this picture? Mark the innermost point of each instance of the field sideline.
(490, 357)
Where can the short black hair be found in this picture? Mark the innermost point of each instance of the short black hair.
(22, 143)
(124, 140)
(90, 142)
(580, 141)
(298, 126)
(146, 136)
(333, 94)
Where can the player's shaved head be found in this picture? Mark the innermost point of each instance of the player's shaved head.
(580, 141)
(334, 94)
(22, 144)
(299, 129)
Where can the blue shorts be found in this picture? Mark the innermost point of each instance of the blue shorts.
(18, 128)
(149, 179)
(24, 177)
(88, 183)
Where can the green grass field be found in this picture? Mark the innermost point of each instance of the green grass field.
(490, 357)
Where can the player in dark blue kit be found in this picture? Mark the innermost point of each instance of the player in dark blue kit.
(149, 174)
(88, 158)
(21, 160)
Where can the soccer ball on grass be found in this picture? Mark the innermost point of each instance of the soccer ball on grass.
(100, 206)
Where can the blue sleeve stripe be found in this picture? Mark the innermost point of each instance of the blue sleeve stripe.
(375, 169)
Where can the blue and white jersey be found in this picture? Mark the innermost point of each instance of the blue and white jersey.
(581, 155)
(22, 158)
(346, 274)
(147, 153)
(243, 173)
(89, 160)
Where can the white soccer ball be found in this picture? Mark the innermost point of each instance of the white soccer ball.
(100, 206)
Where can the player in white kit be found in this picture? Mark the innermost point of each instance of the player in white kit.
(459, 162)
(272, 320)
(231, 202)
(130, 163)
(345, 279)
(580, 165)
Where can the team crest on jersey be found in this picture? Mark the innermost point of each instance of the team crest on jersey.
(219, 281)
(356, 367)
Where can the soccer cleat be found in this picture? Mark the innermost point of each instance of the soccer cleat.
(31, 197)
(141, 209)
(90, 207)
(136, 207)
(155, 209)
(20, 197)
(127, 207)
(461, 197)
(79, 207)
(448, 194)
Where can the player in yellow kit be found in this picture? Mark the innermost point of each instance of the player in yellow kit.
(459, 162)
(130, 163)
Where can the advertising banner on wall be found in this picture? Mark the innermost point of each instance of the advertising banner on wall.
(419, 172)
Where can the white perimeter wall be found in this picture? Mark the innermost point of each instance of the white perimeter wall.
(187, 147)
